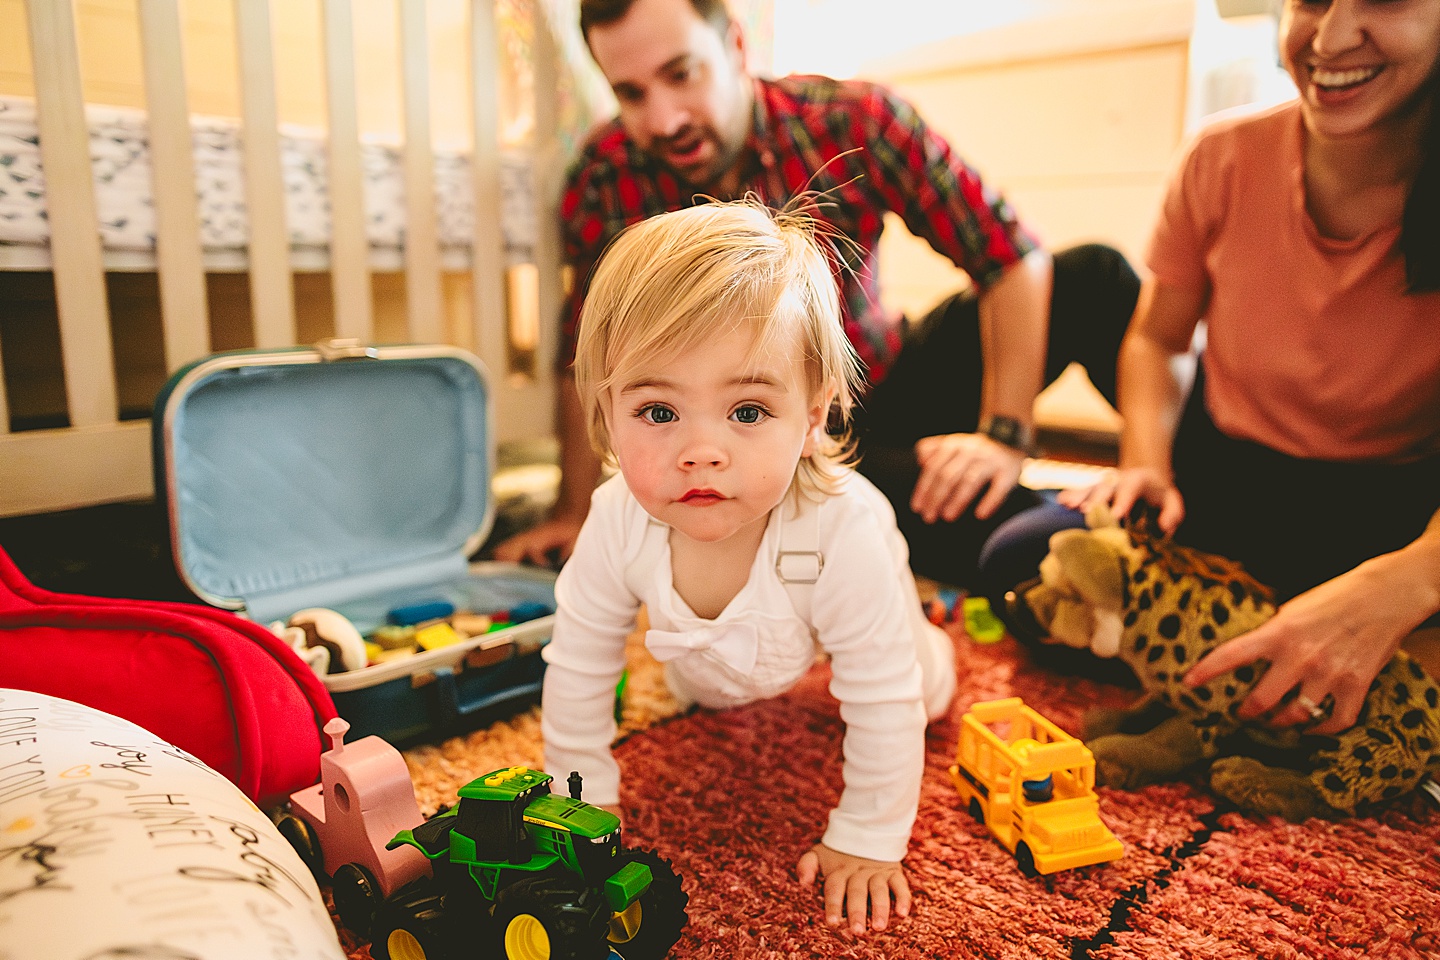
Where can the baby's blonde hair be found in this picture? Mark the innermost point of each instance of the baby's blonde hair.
(668, 282)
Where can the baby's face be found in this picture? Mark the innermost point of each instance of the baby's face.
(708, 441)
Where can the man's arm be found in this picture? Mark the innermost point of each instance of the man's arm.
(579, 472)
(944, 200)
(954, 468)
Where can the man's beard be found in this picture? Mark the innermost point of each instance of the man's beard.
(698, 175)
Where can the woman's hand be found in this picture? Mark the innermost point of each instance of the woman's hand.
(855, 886)
(1122, 489)
(1331, 641)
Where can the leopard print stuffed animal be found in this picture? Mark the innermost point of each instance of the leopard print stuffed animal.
(1161, 607)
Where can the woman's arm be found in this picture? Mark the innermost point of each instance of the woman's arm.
(1334, 640)
(1155, 373)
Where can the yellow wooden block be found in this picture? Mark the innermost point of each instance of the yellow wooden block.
(435, 636)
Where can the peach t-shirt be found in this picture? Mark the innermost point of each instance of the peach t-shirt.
(1314, 348)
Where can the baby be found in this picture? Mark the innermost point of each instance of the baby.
(711, 359)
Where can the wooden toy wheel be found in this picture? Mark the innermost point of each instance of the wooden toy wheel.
(357, 897)
(302, 837)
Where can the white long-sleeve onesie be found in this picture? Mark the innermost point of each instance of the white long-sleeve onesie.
(865, 613)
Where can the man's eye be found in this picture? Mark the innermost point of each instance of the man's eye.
(749, 414)
(654, 413)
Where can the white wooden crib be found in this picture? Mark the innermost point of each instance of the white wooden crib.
(72, 427)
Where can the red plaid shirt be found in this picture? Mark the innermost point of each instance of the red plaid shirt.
(801, 126)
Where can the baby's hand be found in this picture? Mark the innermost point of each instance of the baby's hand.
(852, 883)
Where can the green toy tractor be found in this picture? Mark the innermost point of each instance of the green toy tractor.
(524, 874)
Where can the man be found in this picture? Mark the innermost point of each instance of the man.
(951, 425)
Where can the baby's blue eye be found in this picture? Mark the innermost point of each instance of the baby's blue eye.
(749, 414)
(654, 413)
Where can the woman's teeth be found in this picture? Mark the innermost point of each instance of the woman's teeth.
(1337, 79)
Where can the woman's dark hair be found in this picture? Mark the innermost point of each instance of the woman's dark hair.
(1420, 224)
(596, 13)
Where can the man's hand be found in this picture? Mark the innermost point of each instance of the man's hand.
(855, 886)
(955, 467)
(557, 534)
(1122, 489)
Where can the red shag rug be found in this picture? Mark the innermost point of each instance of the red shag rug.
(734, 798)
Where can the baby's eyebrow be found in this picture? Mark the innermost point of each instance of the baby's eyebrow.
(645, 384)
(760, 378)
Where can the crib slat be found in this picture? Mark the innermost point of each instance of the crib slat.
(74, 237)
(422, 247)
(549, 174)
(183, 307)
(487, 270)
(272, 300)
(4, 405)
(349, 248)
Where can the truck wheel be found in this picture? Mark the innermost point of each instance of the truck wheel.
(976, 813)
(551, 918)
(1025, 860)
(301, 836)
(412, 926)
(357, 897)
(649, 927)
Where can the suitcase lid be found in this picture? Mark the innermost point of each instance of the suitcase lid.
(314, 476)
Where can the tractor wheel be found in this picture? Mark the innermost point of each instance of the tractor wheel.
(301, 836)
(1025, 859)
(649, 927)
(412, 926)
(357, 897)
(551, 918)
(976, 813)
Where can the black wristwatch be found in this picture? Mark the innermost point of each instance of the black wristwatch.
(1011, 432)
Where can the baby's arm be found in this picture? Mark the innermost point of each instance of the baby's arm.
(595, 612)
(864, 620)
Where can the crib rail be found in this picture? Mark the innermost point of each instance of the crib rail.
(98, 457)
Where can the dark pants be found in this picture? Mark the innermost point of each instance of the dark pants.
(934, 388)
(1294, 523)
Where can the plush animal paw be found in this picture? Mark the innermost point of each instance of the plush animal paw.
(1129, 761)
(1140, 717)
(1269, 791)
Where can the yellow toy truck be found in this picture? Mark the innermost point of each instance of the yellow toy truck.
(1033, 786)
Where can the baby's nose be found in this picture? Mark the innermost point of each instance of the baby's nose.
(702, 450)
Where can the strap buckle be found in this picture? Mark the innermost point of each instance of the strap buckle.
(798, 571)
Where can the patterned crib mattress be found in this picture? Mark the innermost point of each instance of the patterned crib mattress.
(119, 153)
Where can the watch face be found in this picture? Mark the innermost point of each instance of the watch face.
(1007, 430)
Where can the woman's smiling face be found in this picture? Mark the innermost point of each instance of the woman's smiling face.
(1361, 65)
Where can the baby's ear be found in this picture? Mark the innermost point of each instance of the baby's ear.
(818, 416)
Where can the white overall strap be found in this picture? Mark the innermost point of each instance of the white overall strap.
(640, 572)
(799, 560)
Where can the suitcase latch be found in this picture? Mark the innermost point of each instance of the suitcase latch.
(344, 348)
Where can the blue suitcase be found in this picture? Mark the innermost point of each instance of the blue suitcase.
(355, 478)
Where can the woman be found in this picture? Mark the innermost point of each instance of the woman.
(1308, 238)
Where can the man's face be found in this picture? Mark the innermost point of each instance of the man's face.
(683, 91)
